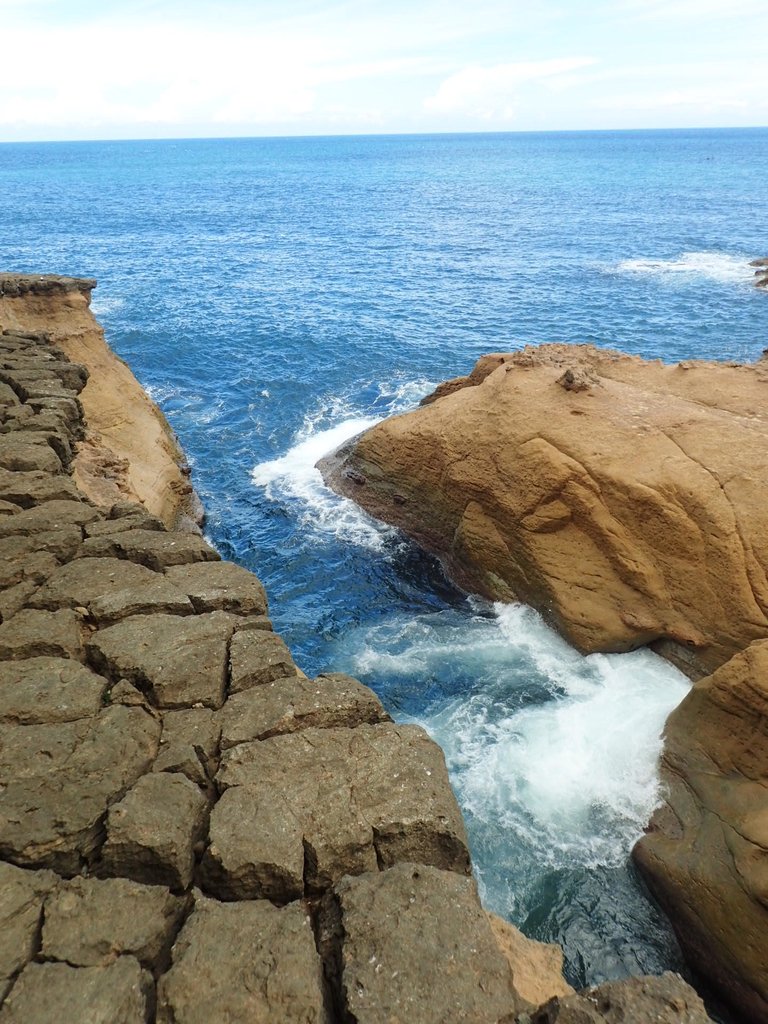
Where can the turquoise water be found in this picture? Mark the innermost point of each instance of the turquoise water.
(276, 296)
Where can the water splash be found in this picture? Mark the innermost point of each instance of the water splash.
(715, 266)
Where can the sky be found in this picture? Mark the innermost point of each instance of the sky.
(111, 69)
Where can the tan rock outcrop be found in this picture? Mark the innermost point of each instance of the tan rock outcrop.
(129, 450)
(706, 851)
(620, 497)
(537, 966)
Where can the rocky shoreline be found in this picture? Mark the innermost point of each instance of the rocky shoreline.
(191, 830)
(624, 499)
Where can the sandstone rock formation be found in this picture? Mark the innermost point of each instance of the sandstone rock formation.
(128, 449)
(622, 498)
(190, 829)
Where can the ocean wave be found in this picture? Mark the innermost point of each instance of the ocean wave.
(715, 266)
(104, 305)
(552, 754)
(293, 477)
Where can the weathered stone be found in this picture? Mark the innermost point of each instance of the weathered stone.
(663, 1000)
(62, 544)
(16, 596)
(629, 513)
(374, 794)
(84, 580)
(705, 856)
(23, 454)
(36, 488)
(189, 744)
(7, 395)
(152, 831)
(57, 781)
(221, 586)
(90, 922)
(243, 962)
(295, 703)
(181, 661)
(257, 657)
(32, 634)
(21, 909)
(152, 597)
(54, 993)
(256, 849)
(138, 521)
(26, 567)
(41, 691)
(373, 931)
(537, 967)
(54, 515)
(7, 508)
(152, 548)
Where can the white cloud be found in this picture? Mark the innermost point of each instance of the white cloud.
(492, 93)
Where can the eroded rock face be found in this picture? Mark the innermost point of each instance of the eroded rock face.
(706, 851)
(620, 497)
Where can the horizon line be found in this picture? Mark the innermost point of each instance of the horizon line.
(382, 134)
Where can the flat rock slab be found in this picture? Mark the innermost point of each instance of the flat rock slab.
(179, 661)
(221, 586)
(36, 488)
(289, 705)
(155, 549)
(32, 634)
(26, 453)
(302, 810)
(21, 908)
(54, 515)
(62, 543)
(57, 781)
(54, 993)
(42, 691)
(243, 962)
(413, 944)
(90, 921)
(79, 583)
(257, 657)
(152, 831)
(190, 744)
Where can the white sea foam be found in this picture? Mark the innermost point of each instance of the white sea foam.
(567, 771)
(103, 305)
(715, 266)
(293, 476)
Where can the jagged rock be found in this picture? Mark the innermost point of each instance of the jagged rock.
(189, 744)
(40, 691)
(139, 519)
(28, 454)
(180, 661)
(89, 922)
(257, 657)
(628, 513)
(21, 908)
(340, 801)
(152, 831)
(56, 782)
(53, 993)
(155, 549)
(54, 515)
(152, 597)
(413, 944)
(663, 1000)
(295, 703)
(221, 586)
(7, 508)
(15, 597)
(243, 962)
(36, 488)
(705, 852)
(537, 967)
(32, 634)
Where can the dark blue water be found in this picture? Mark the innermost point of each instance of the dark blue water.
(277, 295)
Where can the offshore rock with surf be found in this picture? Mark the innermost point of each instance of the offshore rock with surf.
(623, 499)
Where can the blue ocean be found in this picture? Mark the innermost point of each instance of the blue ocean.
(276, 296)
